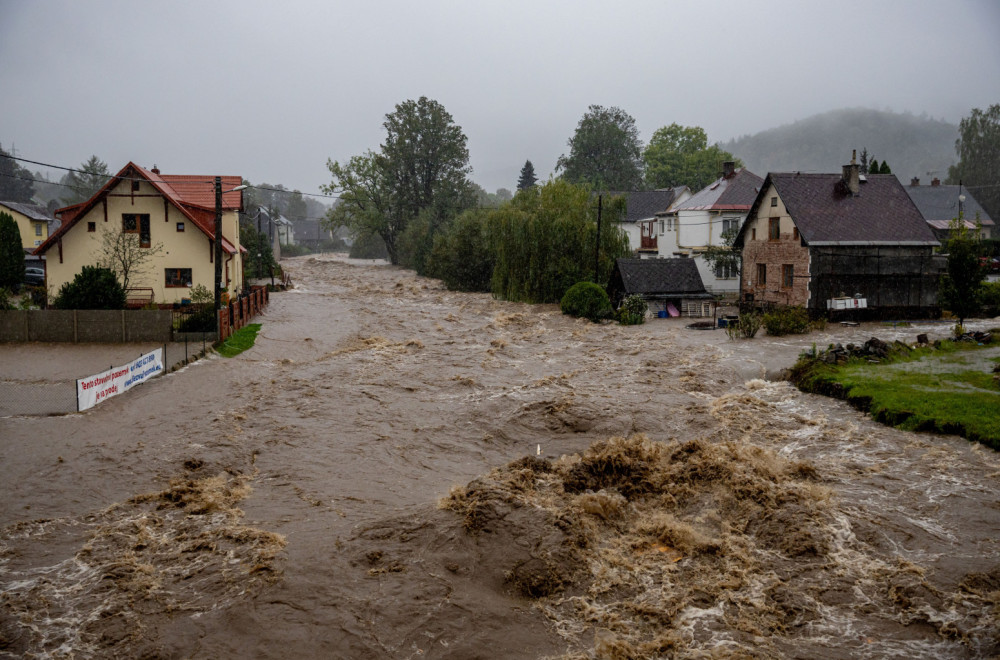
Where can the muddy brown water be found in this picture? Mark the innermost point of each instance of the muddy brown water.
(294, 501)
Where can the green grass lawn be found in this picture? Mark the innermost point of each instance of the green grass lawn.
(946, 390)
(239, 341)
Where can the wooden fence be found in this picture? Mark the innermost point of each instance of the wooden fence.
(240, 311)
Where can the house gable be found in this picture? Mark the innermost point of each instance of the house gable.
(140, 200)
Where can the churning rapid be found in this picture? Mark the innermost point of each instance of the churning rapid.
(400, 471)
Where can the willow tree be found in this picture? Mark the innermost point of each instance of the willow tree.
(544, 240)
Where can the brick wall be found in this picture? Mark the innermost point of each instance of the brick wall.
(787, 250)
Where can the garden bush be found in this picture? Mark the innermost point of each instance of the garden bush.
(92, 288)
(633, 310)
(586, 300)
(787, 321)
(745, 326)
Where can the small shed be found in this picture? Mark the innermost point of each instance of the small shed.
(673, 286)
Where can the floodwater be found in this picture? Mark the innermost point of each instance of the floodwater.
(400, 471)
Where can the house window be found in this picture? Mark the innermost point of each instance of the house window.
(178, 277)
(137, 223)
(753, 233)
(91, 226)
(787, 275)
(135, 185)
(774, 201)
(773, 229)
(180, 226)
(761, 274)
(38, 229)
(795, 233)
(725, 271)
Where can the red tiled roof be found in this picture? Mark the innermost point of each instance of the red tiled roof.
(200, 190)
(186, 192)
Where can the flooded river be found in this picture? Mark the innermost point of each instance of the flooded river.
(400, 471)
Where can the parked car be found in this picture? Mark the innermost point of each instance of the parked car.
(34, 276)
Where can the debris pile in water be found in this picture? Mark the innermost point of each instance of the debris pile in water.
(180, 550)
(702, 546)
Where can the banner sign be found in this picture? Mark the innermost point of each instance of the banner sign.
(91, 391)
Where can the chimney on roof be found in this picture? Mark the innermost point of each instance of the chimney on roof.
(728, 168)
(852, 174)
(914, 181)
(155, 170)
(935, 181)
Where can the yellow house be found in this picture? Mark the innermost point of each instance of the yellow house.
(174, 218)
(32, 221)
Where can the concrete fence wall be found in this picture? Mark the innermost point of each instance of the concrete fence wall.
(86, 325)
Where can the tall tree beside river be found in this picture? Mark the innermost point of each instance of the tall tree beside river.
(978, 148)
(422, 167)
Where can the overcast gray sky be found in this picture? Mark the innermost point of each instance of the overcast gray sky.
(270, 90)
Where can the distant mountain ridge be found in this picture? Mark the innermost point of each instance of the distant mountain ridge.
(915, 146)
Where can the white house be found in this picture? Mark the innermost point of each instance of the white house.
(701, 220)
(641, 209)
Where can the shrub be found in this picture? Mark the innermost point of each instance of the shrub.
(745, 326)
(633, 310)
(787, 321)
(586, 300)
(11, 254)
(202, 320)
(92, 288)
(200, 295)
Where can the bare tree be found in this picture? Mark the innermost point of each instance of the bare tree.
(122, 252)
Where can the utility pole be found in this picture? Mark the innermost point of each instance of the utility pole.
(218, 248)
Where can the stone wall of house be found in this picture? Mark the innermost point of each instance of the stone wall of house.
(787, 250)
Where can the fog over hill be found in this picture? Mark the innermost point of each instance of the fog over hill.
(915, 146)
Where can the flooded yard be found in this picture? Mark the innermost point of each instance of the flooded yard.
(399, 471)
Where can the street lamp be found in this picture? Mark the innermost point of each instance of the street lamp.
(218, 245)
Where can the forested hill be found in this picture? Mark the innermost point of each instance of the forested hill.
(914, 146)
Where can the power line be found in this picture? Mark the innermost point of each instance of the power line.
(128, 178)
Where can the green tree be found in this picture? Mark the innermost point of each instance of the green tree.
(978, 148)
(864, 161)
(884, 168)
(92, 288)
(873, 167)
(527, 178)
(423, 166)
(961, 285)
(11, 254)
(15, 181)
(680, 156)
(605, 151)
(83, 184)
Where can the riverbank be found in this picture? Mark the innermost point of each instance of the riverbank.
(946, 387)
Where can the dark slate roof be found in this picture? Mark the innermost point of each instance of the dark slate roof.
(673, 277)
(735, 193)
(941, 203)
(33, 211)
(826, 213)
(645, 204)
